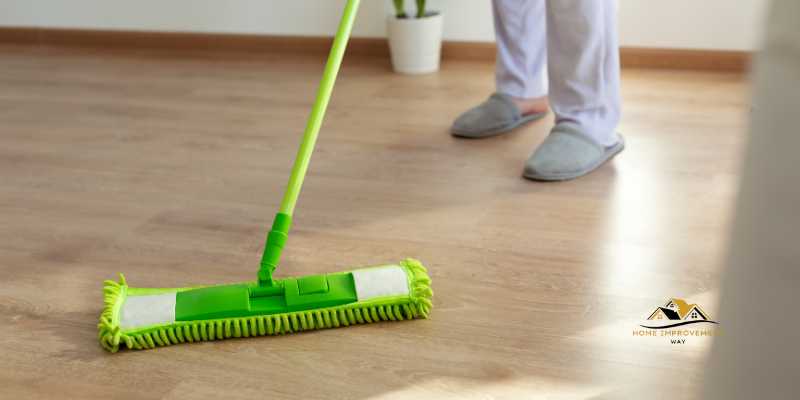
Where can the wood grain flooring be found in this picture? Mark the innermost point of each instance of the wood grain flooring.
(168, 167)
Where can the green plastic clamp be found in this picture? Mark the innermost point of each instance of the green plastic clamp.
(276, 240)
(246, 300)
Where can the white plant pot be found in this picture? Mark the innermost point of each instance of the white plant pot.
(415, 43)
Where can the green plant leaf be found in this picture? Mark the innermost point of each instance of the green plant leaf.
(421, 11)
(400, 8)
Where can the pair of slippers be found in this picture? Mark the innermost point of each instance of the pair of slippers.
(567, 153)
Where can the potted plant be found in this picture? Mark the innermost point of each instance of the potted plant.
(415, 40)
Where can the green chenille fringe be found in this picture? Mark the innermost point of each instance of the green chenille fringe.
(111, 336)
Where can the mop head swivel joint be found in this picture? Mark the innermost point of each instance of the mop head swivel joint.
(147, 318)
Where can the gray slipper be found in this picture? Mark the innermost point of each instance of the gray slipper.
(496, 115)
(568, 153)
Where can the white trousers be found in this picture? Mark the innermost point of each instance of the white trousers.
(577, 41)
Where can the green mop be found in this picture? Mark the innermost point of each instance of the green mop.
(140, 318)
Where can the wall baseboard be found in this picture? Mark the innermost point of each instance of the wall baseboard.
(710, 60)
(631, 57)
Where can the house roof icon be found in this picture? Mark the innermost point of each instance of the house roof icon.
(679, 309)
(696, 313)
(677, 312)
(664, 313)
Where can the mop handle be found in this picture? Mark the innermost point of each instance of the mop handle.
(283, 220)
(320, 106)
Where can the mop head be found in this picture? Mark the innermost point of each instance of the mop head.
(139, 318)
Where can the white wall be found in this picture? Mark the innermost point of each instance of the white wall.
(709, 24)
(704, 24)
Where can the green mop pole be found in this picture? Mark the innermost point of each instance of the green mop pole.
(276, 238)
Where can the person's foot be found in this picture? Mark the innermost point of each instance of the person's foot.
(568, 153)
(537, 105)
(498, 114)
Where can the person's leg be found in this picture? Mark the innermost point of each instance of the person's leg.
(583, 66)
(521, 81)
(583, 58)
(520, 30)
